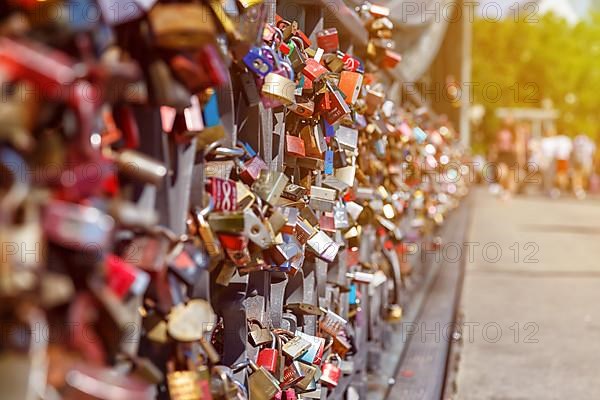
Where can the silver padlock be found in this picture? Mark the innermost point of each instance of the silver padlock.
(256, 230)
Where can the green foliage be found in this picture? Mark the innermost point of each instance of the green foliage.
(543, 57)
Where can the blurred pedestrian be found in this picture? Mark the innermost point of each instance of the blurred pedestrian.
(546, 162)
(583, 162)
(506, 158)
(562, 154)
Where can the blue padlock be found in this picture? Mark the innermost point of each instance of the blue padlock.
(329, 162)
(211, 112)
(328, 129)
(353, 295)
(257, 62)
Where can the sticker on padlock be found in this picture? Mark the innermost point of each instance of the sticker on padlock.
(315, 352)
(224, 194)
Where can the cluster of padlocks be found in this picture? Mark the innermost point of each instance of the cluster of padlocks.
(149, 251)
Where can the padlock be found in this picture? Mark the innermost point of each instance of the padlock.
(313, 69)
(123, 278)
(292, 374)
(378, 11)
(268, 358)
(213, 128)
(279, 88)
(294, 146)
(236, 248)
(224, 386)
(288, 29)
(224, 194)
(77, 226)
(138, 166)
(339, 109)
(211, 243)
(188, 322)
(390, 59)
(328, 40)
(297, 55)
(334, 63)
(330, 371)
(352, 64)
(320, 244)
(341, 345)
(329, 162)
(270, 185)
(257, 62)
(347, 138)
(290, 394)
(331, 323)
(250, 170)
(304, 231)
(257, 333)
(229, 222)
(294, 192)
(315, 352)
(174, 32)
(257, 229)
(295, 347)
(350, 84)
(308, 382)
(382, 23)
(262, 385)
(302, 107)
(183, 385)
(278, 220)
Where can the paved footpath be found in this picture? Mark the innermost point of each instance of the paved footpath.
(531, 301)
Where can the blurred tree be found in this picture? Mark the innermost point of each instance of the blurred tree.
(519, 62)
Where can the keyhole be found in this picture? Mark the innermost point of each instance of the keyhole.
(255, 230)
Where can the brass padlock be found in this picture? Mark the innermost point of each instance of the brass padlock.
(279, 88)
(262, 385)
(174, 32)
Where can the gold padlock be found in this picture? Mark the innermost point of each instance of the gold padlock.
(280, 88)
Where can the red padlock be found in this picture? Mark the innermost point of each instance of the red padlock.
(269, 357)
(330, 371)
(328, 40)
(390, 59)
(294, 146)
(350, 84)
(250, 170)
(236, 248)
(338, 110)
(123, 278)
(350, 63)
(224, 194)
(313, 69)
